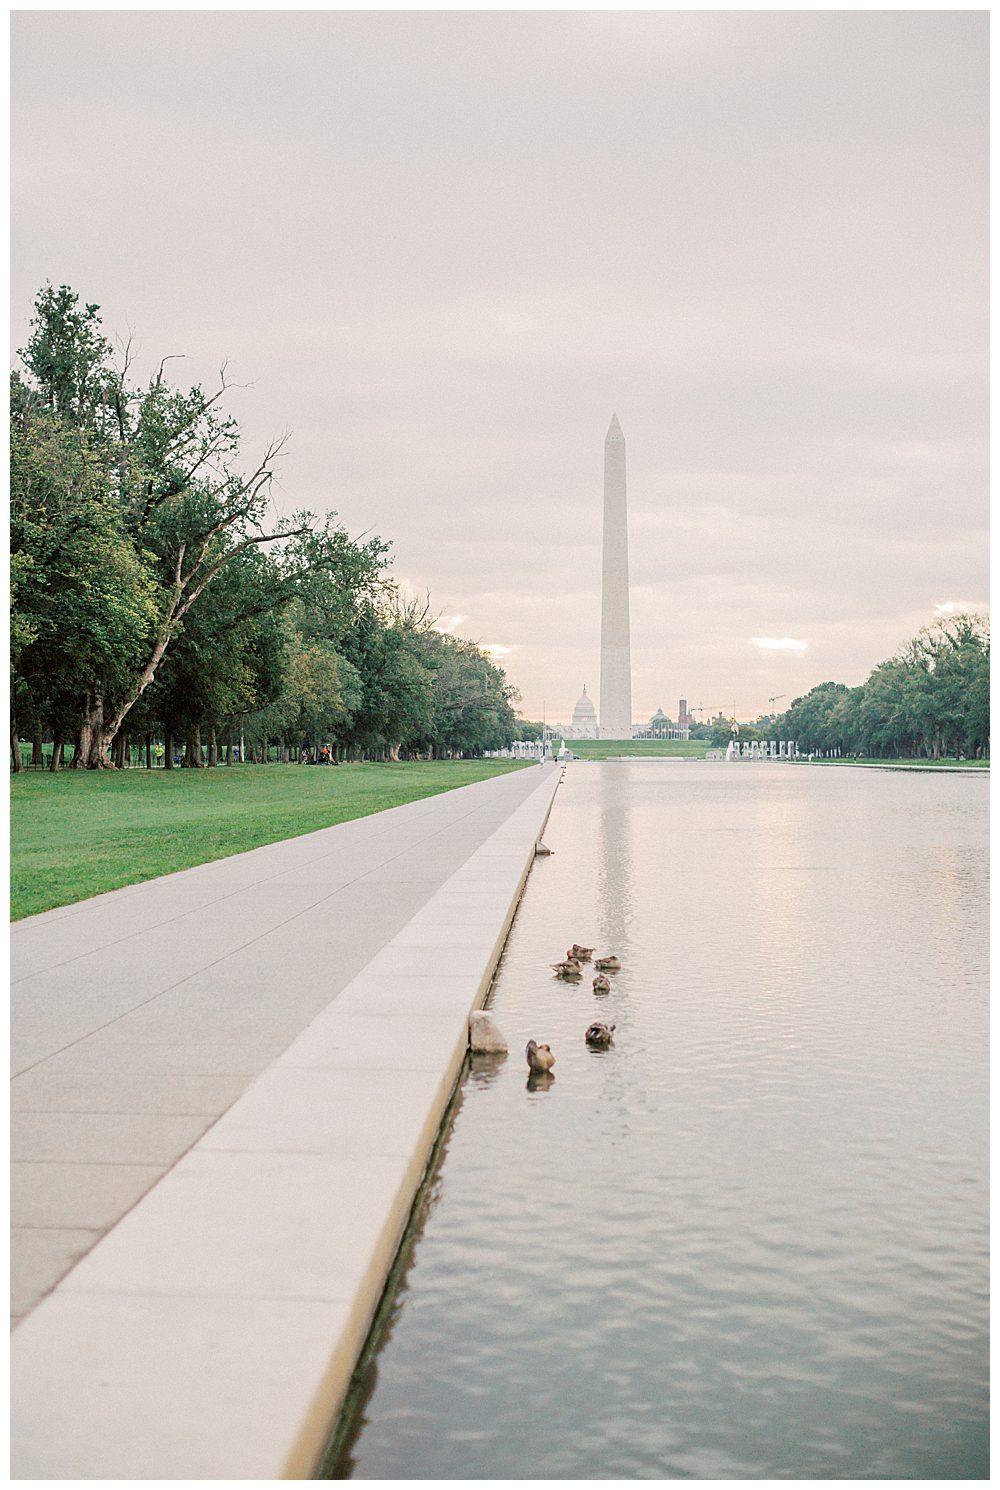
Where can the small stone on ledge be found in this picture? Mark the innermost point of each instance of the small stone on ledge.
(484, 1034)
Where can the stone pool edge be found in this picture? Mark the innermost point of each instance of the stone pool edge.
(208, 1335)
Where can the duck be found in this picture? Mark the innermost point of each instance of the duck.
(581, 954)
(600, 1035)
(567, 969)
(609, 964)
(539, 1057)
(602, 984)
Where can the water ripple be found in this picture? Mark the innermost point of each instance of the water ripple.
(749, 1240)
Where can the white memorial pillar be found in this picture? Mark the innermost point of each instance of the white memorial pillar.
(616, 653)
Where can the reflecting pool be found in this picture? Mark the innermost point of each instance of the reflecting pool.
(749, 1240)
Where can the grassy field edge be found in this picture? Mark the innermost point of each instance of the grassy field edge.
(79, 834)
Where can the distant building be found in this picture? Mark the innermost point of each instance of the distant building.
(583, 725)
(683, 717)
(661, 728)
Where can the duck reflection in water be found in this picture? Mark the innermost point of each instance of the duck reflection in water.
(540, 1081)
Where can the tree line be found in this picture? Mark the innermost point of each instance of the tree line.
(931, 699)
(157, 600)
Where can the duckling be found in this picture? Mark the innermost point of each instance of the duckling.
(580, 954)
(602, 984)
(539, 1057)
(607, 964)
(568, 969)
(600, 1035)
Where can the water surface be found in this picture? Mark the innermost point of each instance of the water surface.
(749, 1241)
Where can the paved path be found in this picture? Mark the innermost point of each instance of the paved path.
(140, 1016)
(230, 1083)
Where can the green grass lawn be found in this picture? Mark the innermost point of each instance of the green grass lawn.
(79, 833)
(602, 750)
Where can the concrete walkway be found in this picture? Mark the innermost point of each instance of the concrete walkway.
(227, 1084)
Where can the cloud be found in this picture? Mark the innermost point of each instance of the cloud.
(961, 607)
(784, 300)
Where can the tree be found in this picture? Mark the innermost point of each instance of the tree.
(472, 701)
(719, 733)
(67, 356)
(324, 690)
(395, 708)
(931, 698)
(817, 720)
(883, 725)
(170, 463)
(85, 597)
(949, 663)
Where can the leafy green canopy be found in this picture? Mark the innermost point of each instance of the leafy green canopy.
(155, 590)
(932, 699)
(129, 505)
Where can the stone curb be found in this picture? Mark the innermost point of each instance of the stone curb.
(212, 1334)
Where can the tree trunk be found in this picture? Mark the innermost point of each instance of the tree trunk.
(16, 762)
(149, 751)
(192, 754)
(213, 746)
(168, 748)
(95, 736)
(106, 730)
(37, 754)
(57, 753)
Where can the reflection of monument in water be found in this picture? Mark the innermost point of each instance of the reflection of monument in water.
(616, 652)
(615, 859)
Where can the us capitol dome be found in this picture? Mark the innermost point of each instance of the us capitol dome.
(584, 721)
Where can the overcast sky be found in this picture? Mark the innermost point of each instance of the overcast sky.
(446, 247)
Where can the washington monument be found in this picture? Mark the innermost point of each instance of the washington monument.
(616, 655)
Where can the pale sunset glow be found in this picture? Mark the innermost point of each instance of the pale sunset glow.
(793, 363)
(961, 607)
